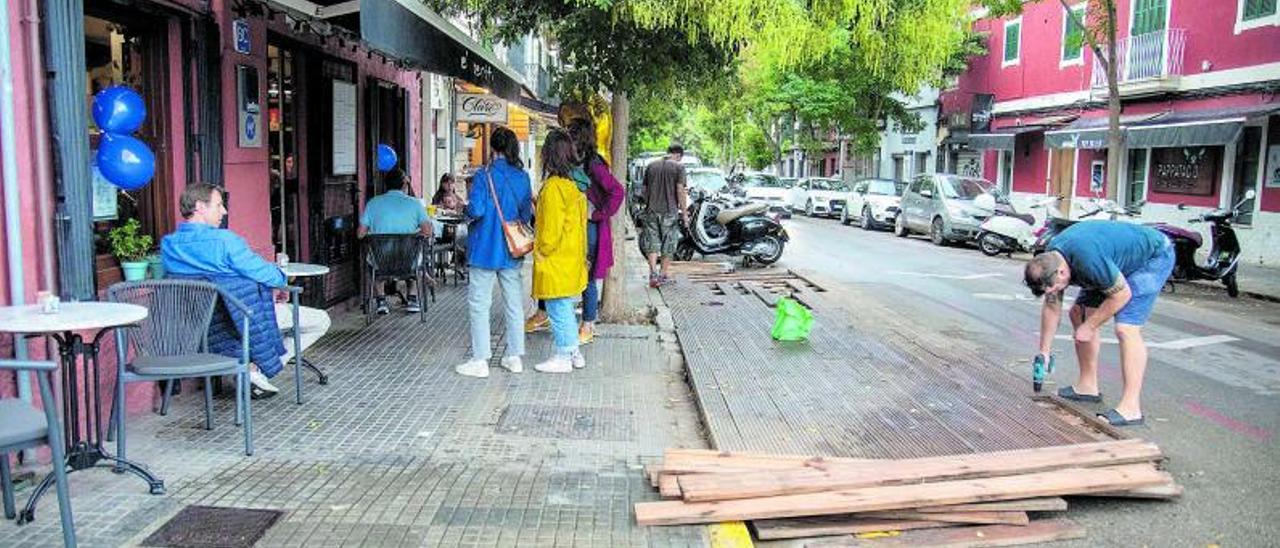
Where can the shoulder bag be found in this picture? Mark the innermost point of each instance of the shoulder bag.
(519, 235)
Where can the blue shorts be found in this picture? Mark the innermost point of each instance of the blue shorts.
(1145, 285)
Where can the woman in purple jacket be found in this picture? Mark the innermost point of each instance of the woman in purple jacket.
(604, 197)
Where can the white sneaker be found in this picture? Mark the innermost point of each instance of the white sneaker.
(473, 368)
(513, 364)
(259, 380)
(556, 364)
(579, 361)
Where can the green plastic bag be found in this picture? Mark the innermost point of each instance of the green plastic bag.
(793, 322)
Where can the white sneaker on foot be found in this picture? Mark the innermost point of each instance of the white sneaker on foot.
(259, 380)
(579, 361)
(513, 364)
(556, 364)
(473, 368)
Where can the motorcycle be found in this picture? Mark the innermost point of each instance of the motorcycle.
(1224, 247)
(1009, 231)
(1055, 224)
(721, 224)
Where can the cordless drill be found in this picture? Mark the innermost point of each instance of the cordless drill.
(1039, 370)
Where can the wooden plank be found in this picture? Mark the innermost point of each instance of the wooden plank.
(983, 536)
(844, 524)
(833, 476)
(652, 471)
(979, 518)
(1089, 419)
(1043, 504)
(1168, 491)
(677, 461)
(668, 487)
(896, 497)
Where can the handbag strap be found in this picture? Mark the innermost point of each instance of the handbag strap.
(488, 172)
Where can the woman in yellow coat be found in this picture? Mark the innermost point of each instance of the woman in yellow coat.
(560, 250)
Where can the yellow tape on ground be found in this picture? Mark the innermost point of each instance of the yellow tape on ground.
(730, 534)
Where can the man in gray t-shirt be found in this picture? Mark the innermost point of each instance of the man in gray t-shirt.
(666, 208)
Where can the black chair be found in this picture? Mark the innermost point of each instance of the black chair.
(394, 257)
(22, 427)
(172, 343)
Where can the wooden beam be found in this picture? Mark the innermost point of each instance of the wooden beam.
(1168, 491)
(1043, 504)
(834, 476)
(844, 524)
(983, 536)
(870, 499)
(980, 518)
(668, 487)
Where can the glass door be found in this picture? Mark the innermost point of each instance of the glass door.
(282, 134)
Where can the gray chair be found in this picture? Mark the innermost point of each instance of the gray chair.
(172, 343)
(23, 427)
(393, 257)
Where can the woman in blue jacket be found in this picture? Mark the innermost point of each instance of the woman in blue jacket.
(487, 256)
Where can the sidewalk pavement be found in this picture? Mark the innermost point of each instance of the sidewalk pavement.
(398, 450)
(1260, 282)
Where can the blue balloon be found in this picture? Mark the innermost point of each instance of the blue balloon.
(125, 161)
(119, 109)
(387, 158)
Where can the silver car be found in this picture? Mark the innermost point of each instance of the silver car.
(942, 206)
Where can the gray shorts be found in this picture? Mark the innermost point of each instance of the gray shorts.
(659, 233)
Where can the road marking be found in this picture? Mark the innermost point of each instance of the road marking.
(1007, 297)
(732, 534)
(1257, 433)
(1177, 344)
(948, 276)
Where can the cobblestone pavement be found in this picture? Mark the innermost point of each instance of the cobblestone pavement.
(399, 450)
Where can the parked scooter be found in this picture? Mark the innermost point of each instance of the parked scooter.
(1009, 232)
(722, 224)
(1224, 247)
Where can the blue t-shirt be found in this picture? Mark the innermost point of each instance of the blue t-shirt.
(393, 213)
(1099, 253)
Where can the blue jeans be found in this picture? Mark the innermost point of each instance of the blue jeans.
(480, 301)
(591, 297)
(564, 327)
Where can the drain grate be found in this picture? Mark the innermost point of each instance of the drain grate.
(214, 527)
(571, 423)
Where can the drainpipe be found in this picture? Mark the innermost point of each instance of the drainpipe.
(12, 209)
(40, 136)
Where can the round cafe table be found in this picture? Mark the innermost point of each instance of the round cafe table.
(80, 384)
(303, 270)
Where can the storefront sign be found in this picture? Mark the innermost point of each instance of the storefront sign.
(248, 103)
(1187, 170)
(983, 104)
(344, 128)
(240, 28)
(104, 196)
(1097, 176)
(481, 107)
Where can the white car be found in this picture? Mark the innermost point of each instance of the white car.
(818, 196)
(874, 203)
(763, 187)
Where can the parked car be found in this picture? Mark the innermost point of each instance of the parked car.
(763, 187)
(789, 182)
(708, 179)
(874, 203)
(941, 205)
(818, 196)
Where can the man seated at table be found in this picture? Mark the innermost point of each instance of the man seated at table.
(201, 250)
(394, 212)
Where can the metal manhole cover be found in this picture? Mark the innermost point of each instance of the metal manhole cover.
(214, 527)
(571, 423)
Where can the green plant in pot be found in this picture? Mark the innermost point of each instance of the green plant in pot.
(131, 249)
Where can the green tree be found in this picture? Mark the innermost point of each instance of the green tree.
(1099, 25)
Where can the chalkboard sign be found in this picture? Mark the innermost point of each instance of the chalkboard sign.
(1186, 170)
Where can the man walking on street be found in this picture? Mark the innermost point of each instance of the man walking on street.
(666, 203)
(1120, 269)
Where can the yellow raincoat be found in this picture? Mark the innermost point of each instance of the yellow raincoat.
(560, 240)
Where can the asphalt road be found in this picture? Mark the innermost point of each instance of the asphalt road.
(1212, 393)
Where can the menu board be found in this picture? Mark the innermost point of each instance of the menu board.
(344, 128)
(1186, 170)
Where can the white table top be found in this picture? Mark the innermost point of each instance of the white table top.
(70, 317)
(303, 270)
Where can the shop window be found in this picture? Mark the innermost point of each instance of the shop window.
(1248, 160)
(1073, 35)
(1012, 41)
(1006, 171)
(132, 55)
(1136, 184)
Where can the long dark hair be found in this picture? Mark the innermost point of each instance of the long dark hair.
(558, 154)
(583, 132)
(504, 142)
(439, 195)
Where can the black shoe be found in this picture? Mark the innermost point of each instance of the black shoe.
(382, 309)
(412, 305)
(260, 394)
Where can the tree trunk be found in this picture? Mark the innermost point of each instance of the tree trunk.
(1115, 139)
(614, 306)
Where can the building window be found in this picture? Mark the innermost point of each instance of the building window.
(1073, 35)
(1006, 172)
(1012, 41)
(1256, 13)
(1136, 190)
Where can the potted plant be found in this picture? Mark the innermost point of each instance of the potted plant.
(131, 249)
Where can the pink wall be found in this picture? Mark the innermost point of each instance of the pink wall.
(1084, 167)
(1030, 163)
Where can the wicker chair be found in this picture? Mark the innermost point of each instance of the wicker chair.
(393, 257)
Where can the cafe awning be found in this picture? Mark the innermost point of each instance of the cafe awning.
(409, 31)
(1089, 133)
(1200, 128)
(1003, 138)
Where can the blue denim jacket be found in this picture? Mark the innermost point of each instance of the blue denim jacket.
(200, 250)
(486, 245)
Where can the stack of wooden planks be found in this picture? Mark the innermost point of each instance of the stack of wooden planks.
(985, 494)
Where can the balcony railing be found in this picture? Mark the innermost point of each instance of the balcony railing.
(1150, 56)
